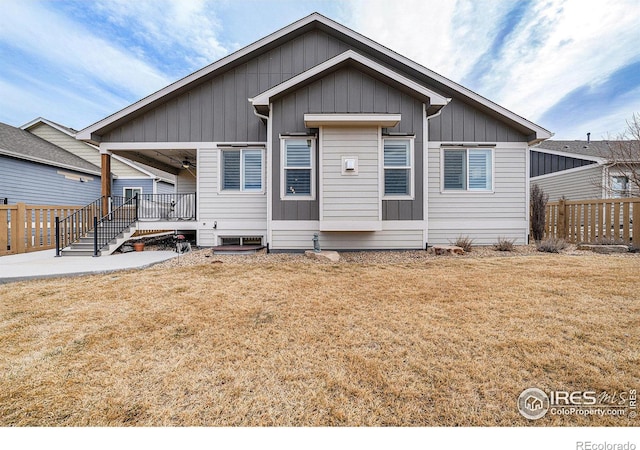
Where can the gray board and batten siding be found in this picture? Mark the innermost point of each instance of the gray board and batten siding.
(347, 90)
(543, 163)
(215, 107)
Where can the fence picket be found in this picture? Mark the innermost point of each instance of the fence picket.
(594, 220)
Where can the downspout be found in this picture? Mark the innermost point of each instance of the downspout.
(268, 176)
(425, 168)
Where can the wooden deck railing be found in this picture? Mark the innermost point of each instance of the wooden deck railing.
(27, 228)
(592, 221)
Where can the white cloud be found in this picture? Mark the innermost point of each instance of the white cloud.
(167, 25)
(559, 45)
(74, 51)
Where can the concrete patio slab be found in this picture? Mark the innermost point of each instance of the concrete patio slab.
(44, 264)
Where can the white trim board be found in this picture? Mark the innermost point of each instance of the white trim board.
(565, 172)
(569, 155)
(264, 98)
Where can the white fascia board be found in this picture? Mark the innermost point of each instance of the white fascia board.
(565, 172)
(134, 166)
(58, 127)
(570, 155)
(85, 134)
(47, 162)
(264, 98)
(383, 120)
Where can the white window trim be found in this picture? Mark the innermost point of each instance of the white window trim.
(124, 190)
(467, 190)
(411, 167)
(241, 191)
(283, 167)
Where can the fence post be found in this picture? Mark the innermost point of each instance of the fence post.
(562, 219)
(635, 226)
(20, 231)
(95, 236)
(57, 236)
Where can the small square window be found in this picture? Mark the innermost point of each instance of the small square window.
(241, 170)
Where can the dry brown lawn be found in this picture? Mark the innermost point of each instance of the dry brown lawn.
(441, 342)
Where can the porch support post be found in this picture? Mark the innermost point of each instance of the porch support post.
(105, 176)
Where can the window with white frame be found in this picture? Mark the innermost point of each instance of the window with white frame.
(619, 186)
(298, 169)
(241, 170)
(468, 169)
(130, 192)
(397, 161)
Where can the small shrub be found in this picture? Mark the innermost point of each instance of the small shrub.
(538, 204)
(504, 245)
(552, 245)
(464, 242)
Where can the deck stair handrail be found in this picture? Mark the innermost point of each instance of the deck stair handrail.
(71, 228)
(123, 213)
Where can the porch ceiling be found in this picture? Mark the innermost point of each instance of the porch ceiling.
(168, 160)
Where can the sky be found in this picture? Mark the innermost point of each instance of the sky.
(571, 66)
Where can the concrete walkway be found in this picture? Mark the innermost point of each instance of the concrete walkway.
(44, 264)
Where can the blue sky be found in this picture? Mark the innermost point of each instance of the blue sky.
(571, 66)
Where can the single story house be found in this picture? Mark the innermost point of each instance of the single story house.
(127, 178)
(316, 129)
(579, 170)
(35, 171)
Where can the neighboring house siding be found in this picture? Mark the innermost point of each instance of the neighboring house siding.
(81, 149)
(165, 188)
(40, 184)
(482, 216)
(460, 122)
(233, 214)
(386, 239)
(543, 163)
(347, 90)
(118, 185)
(348, 197)
(579, 184)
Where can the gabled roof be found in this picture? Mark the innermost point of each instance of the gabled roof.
(435, 100)
(145, 170)
(22, 144)
(536, 133)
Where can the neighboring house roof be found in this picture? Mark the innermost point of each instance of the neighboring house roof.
(594, 149)
(145, 170)
(384, 55)
(21, 144)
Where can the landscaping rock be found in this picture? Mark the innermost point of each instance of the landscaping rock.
(447, 250)
(606, 249)
(323, 255)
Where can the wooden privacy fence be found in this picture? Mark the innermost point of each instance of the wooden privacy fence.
(594, 221)
(28, 228)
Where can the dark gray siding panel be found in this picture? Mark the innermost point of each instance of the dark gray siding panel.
(39, 184)
(543, 163)
(217, 108)
(347, 90)
(460, 122)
